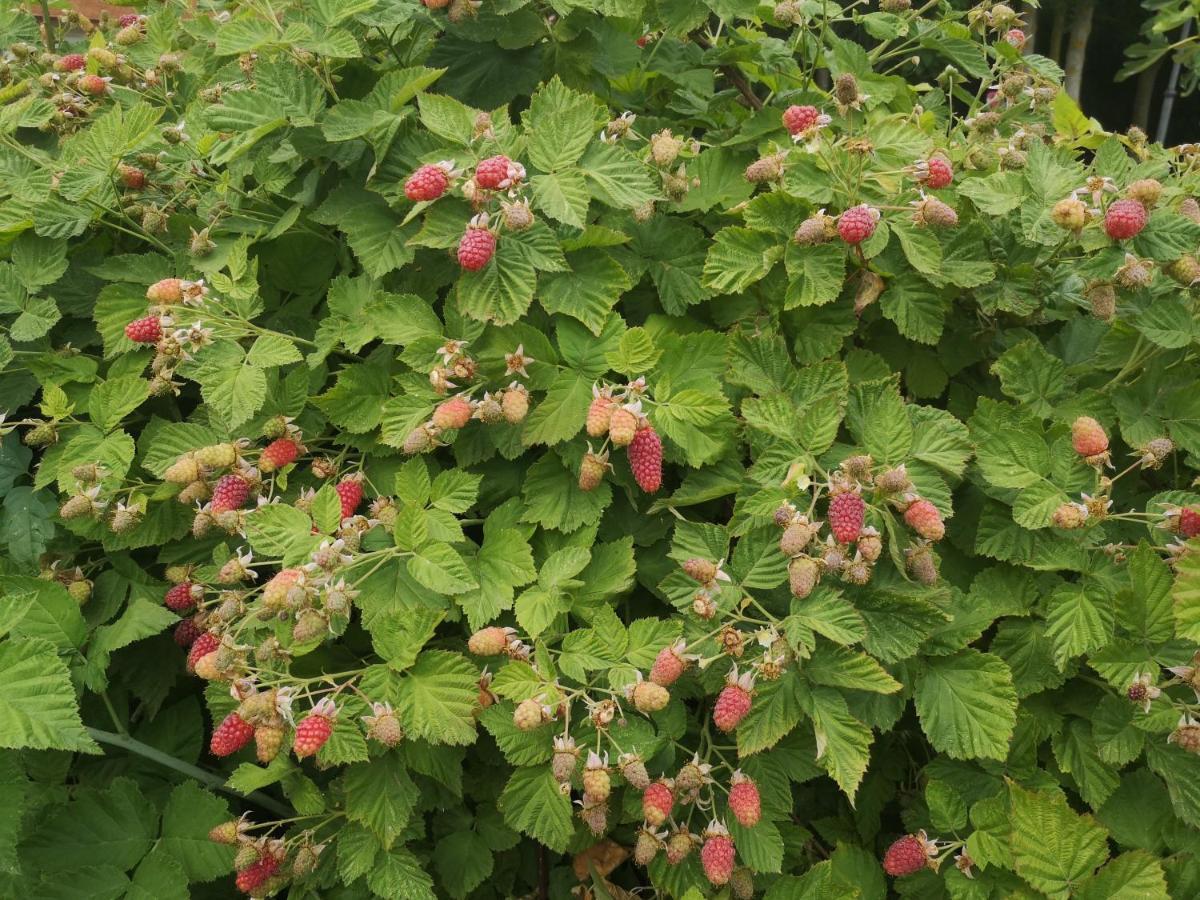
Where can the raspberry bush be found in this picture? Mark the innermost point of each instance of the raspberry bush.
(521, 449)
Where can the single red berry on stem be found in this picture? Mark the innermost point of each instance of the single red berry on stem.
(923, 518)
(1124, 219)
(314, 730)
(657, 803)
(231, 735)
(476, 248)
(72, 62)
(145, 331)
(906, 856)
(1189, 522)
(427, 183)
(940, 172)
(1088, 437)
(717, 855)
(182, 597)
(645, 459)
(257, 874)
(204, 644)
(230, 492)
(846, 516)
(278, 454)
(350, 492)
(799, 119)
(734, 701)
(857, 224)
(496, 172)
(744, 800)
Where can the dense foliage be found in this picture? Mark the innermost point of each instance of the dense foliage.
(510, 448)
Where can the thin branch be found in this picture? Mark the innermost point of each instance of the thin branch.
(733, 73)
(214, 781)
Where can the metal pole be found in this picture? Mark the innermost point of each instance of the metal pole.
(1168, 104)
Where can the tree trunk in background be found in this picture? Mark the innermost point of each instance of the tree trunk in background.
(1144, 98)
(1058, 35)
(1030, 14)
(1081, 30)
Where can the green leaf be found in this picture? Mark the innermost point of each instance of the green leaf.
(464, 861)
(843, 742)
(533, 804)
(1053, 848)
(233, 388)
(879, 420)
(437, 698)
(398, 873)
(1131, 876)
(440, 568)
(967, 705)
(777, 709)
(739, 257)
(112, 400)
(190, 813)
(115, 826)
(839, 667)
(1078, 621)
(562, 196)
(37, 701)
(381, 796)
(561, 413)
(560, 123)
(589, 291)
(26, 524)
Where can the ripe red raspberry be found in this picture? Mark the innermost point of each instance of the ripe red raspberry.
(669, 664)
(1088, 437)
(204, 644)
(906, 856)
(93, 84)
(230, 492)
(657, 802)
(857, 224)
(453, 413)
(1124, 219)
(733, 702)
(923, 518)
(846, 514)
(939, 172)
(315, 729)
(129, 19)
(645, 459)
(350, 491)
(182, 597)
(187, 631)
(744, 801)
(717, 855)
(496, 172)
(799, 119)
(231, 735)
(145, 331)
(1189, 522)
(427, 183)
(476, 248)
(278, 454)
(254, 876)
(72, 62)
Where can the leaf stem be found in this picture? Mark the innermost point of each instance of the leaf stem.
(212, 780)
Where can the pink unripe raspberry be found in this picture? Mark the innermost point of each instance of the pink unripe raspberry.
(277, 454)
(645, 459)
(669, 664)
(599, 412)
(427, 183)
(733, 703)
(230, 492)
(145, 331)
(857, 224)
(1189, 522)
(204, 644)
(93, 84)
(717, 855)
(1015, 37)
(168, 290)
(846, 515)
(72, 62)
(476, 248)
(657, 803)
(1124, 219)
(1088, 437)
(799, 119)
(314, 730)
(906, 856)
(744, 800)
(622, 426)
(923, 518)
(453, 413)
